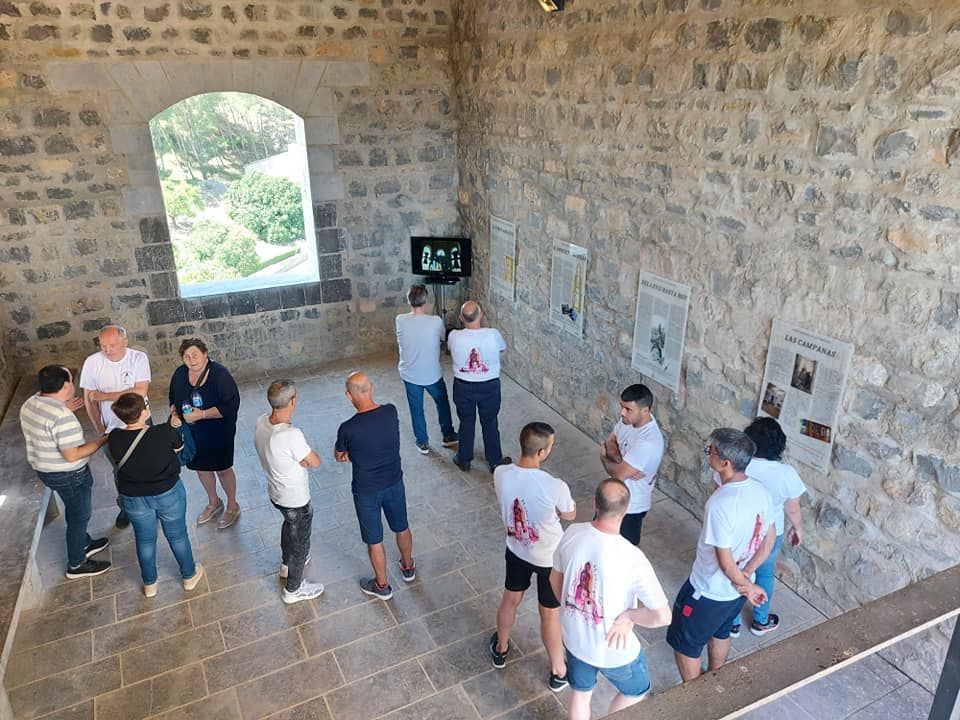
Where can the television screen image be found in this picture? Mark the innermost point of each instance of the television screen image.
(440, 257)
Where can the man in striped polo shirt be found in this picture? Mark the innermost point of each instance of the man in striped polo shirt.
(56, 450)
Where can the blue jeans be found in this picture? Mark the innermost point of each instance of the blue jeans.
(438, 391)
(73, 487)
(171, 508)
(632, 679)
(483, 399)
(764, 578)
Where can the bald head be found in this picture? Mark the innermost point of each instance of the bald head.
(113, 342)
(612, 498)
(358, 384)
(471, 313)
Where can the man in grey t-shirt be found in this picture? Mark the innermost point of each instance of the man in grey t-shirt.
(419, 336)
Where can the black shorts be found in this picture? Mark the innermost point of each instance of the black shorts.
(697, 619)
(519, 574)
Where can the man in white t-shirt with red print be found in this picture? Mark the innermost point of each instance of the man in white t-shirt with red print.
(532, 503)
(737, 536)
(605, 586)
(633, 453)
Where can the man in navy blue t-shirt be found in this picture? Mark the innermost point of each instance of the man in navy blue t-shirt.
(371, 441)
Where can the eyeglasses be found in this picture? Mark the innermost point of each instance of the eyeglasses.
(709, 450)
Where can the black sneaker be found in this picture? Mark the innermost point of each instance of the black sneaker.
(557, 683)
(370, 587)
(122, 520)
(88, 569)
(423, 448)
(761, 629)
(95, 546)
(735, 631)
(408, 574)
(505, 460)
(451, 440)
(498, 658)
(465, 466)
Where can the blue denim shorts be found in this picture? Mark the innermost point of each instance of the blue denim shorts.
(392, 501)
(697, 619)
(631, 679)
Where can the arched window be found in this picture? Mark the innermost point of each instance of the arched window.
(236, 188)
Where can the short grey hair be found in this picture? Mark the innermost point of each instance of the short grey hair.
(280, 393)
(733, 445)
(417, 295)
(121, 331)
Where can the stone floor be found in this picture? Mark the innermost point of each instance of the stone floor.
(97, 648)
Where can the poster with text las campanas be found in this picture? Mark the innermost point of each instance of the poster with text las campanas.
(503, 257)
(568, 285)
(659, 328)
(802, 389)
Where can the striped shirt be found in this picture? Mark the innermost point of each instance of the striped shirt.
(48, 425)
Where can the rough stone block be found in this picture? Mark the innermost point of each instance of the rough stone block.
(53, 330)
(331, 266)
(131, 139)
(320, 159)
(267, 299)
(330, 240)
(763, 35)
(292, 297)
(242, 303)
(143, 200)
(312, 295)
(154, 230)
(163, 285)
(73, 75)
(906, 21)
(326, 187)
(336, 290)
(165, 312)
(347, 74)
(23, 145)
(895, 146)
(155, 258)
(323, 130)
(836, 140)
(844, 459)
(934, 468)
(322, 103)
(215, 306)
(325, 215)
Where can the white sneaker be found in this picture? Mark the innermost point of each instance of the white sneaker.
(284, 570)
(306, 591)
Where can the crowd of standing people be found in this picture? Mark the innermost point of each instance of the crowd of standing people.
(594, 583)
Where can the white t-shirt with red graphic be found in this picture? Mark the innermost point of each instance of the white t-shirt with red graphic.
(529, 499)
(736, 517)
(476, 353)
(603, 575)
(641, 448)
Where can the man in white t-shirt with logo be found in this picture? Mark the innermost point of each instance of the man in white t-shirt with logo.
(532, 504)
(605, 586)
(108, 374)
(737, 536)
(633, 453)
(476, 385)
(285, 456)
(418, 337)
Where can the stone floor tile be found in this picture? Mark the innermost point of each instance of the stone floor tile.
(249, 661)
(67, 595)
(243, 568)
(267, 620)
(226, 547)
(315, 709)
(47, 627)
(171, 652)
(907, 701)
(662, 665)
(346, 626)
(50, 659)
(340, 595)
(169, 592)
(141, 629)
(80, 711)
(781, 709)
(545, 707)
(126, 578)
(418, 599)
(390, 647)
(452, 704)
(461, 660)
(149, 697)
(234, 600)
(463, 619)
(295, 684)
(379, 694)
(65, 689)
(222, 706)
(498, 691)
(849, 689)
(485, 575)
(433, 563)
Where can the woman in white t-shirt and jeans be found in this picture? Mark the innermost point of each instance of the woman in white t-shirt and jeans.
(785, 487)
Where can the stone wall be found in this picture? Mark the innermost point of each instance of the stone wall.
(786, 159)
(83, 239)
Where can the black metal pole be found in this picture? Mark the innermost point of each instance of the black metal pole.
(946, 703)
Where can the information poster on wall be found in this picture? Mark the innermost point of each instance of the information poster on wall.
(659, 329)
(503, 257)
(568, 286)
(802, 389)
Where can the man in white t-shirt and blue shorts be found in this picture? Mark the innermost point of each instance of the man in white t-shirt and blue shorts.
(418, 337)
(737, 536)
(605, 586)
(633, 453)
(285, 456)
(105, 376)
(475, 351)
(532, 504)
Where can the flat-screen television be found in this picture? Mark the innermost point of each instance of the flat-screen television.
(444, 258)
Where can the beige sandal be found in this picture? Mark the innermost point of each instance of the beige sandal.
(210, 512)
(228, 518)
